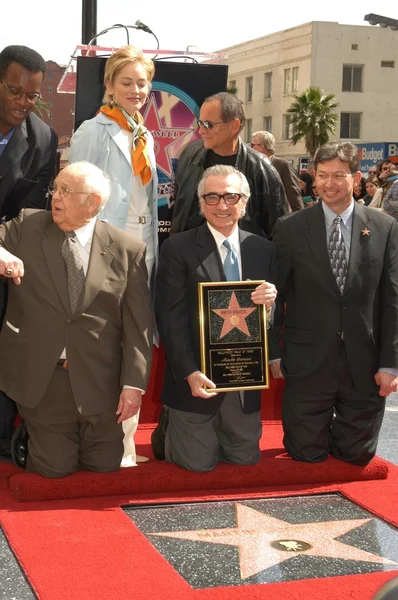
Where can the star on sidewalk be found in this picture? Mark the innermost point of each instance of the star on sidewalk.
(264, 541)
(234, 316)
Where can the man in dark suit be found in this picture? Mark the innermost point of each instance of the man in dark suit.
(338, 274)
(204, 426)
(76, 346)
(264, 142)
(27, 163)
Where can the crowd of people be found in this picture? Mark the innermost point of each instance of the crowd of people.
(85, 289)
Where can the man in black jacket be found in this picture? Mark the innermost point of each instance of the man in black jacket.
(220, 123)
(27, 162)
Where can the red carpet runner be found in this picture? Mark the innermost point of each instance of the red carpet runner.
(88, 549)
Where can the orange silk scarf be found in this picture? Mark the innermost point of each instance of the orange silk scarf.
(139, 154)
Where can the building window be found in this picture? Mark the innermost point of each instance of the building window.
(267, 86)
(249, 89)
(354, 46)
(50, 89)
(350, 126)
(287, 81)
(352, 78)
(50, 115)
(50, 103)
(49, 74)
(267, 124)
(388, 63)
(295, 79)
(249, 130)
(287, 127)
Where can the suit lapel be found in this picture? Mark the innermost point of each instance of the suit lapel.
(248, 255)
(101, 257)
(315, 233)
(208, 254)
(361, 219)
(13, 153)
(52, 244)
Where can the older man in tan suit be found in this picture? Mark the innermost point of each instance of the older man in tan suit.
(76, 345)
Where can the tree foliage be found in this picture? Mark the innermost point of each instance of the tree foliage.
(313, 118)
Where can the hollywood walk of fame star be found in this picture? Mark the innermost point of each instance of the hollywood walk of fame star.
(264, 541)
(234, 316)
(164, 137)
(365, 231)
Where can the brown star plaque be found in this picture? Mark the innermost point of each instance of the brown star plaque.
(233, 336)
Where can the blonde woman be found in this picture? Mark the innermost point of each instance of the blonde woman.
(117, 141)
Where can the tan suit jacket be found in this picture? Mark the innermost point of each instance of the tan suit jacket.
(108, 339)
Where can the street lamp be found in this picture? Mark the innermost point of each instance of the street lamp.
(384, 22)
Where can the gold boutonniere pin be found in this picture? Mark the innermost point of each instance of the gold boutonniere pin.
(365, 231)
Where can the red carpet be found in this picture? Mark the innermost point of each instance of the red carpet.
(275, 468)
(88, 549)
(82, 548)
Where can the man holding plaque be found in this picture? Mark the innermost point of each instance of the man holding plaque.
(205, 426)
(338, 273)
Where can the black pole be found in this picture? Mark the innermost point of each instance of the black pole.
(89, 20)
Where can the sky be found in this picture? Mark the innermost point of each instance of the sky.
(53, 27)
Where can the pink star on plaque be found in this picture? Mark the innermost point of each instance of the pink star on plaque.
(234, 316)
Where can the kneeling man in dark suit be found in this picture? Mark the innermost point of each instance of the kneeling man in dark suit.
(76, 345)
(338, 272)
(204, 426)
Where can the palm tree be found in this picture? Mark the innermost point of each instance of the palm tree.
(313, 118)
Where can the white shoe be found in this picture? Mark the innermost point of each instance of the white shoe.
(128, 462)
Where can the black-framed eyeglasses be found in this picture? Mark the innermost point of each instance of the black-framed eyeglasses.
(17, 93)
(63, 191)
(209, 124)
(212, 198)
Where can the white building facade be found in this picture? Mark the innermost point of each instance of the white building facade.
(356, 63)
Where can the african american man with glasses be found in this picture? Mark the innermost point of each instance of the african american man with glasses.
(27, 164)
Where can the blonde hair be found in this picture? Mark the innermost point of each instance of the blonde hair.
(125, 56)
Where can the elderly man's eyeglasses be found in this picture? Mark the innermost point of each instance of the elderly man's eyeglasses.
(212, 198)
(17, 93)
(63, 191)
(209, 124)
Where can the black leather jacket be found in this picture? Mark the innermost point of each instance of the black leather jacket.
(266, 204)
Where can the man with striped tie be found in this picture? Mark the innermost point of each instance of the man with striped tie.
(204, 427)
(338, 273)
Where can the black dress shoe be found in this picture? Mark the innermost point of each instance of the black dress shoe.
(159, 434)
(19, 446)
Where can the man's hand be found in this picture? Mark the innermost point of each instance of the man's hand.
(388, 383)
(196, 382)
(264, 294)
(129, 404)
(11, 266)
(276, 369)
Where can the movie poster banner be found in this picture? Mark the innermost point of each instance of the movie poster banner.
(233, 336)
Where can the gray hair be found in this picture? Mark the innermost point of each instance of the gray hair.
(266, 139)
(347, 152)
(231, 107)
(95, 180)
(224, 171)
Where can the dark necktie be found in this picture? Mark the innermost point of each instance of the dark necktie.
(231, 267)
(337, 254)
(74, 268)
